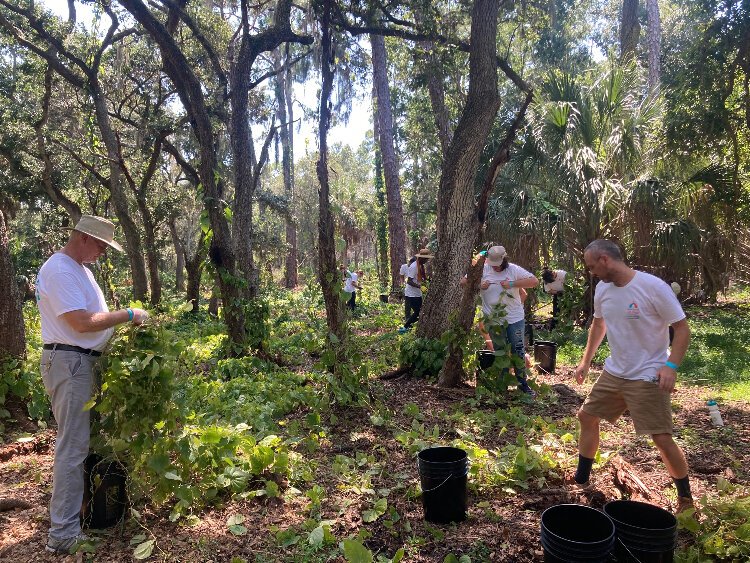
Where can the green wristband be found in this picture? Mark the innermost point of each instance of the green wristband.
(671, 365)
(510, 283)
(130, 313)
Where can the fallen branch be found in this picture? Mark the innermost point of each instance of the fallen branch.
(399, 371)
(626, 479)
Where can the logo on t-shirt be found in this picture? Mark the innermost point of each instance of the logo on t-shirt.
(633, 312)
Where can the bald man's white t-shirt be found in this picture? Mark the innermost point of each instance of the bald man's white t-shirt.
(63, 285)
(637, 316)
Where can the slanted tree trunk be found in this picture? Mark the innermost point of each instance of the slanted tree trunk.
(456, 210)
(654, 44)
(50, 187)
(396, 229)
(12, 331)
(432, 71)
(91, 85)
(194, 269)
(630, 29)
(327, 271)
(452, 372)
(149, 229)
(286, 119)
(179, 250)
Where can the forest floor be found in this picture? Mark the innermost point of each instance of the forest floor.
(368, 453)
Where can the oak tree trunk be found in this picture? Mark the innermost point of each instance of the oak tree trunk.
(457, 220)
(12, 331)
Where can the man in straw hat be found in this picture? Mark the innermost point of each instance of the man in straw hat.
(76, 325)
(413, 291)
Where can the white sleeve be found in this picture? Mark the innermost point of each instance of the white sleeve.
(519, 273)
(64, 293)
(598, 300)
(666, 303)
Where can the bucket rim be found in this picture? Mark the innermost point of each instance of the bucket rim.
(420, 459)
(545, 530)
(645, 504)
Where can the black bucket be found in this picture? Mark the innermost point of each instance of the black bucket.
(443, 473)
(645, 533)
(545, 355)
(384, 297)
(104, 495)
(485, 359)
(573, 532)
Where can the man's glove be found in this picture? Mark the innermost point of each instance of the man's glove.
(424, 289)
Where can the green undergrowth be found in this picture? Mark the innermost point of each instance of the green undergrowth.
(197, 429)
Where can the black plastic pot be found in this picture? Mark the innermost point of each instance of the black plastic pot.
(384, 297)
(104, 494)
(485, 359)
(545, 355)
(443, 474)
(573, 532)
(645, 533)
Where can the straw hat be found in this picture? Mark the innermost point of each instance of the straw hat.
(99, 228)
(496, 255)
(424, 253)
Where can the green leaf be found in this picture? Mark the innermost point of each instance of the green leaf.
(237, 530)
(376, 512)
(144, 550)
(315, 539)
(355, 552)
(235, 520)
(172, 476)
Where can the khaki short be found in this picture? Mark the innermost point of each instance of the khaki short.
(650, 407)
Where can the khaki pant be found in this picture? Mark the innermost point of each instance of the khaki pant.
(68, 379)
(650, 407)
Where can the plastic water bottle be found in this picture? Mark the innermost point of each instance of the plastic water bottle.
(713, 410)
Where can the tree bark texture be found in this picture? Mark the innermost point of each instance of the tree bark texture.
(396, 229)
(327, 271)
(179, 250)
(381, 220)
(12, 331)
(190, 91)
(453, 372)
(630, 29)
(457, 220)
(654, 44)
(286, 119)
(48, 172)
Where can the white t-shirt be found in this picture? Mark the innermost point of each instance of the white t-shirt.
(402, 271)
(556, 286)
(348, 287)
(411, 272)
(63, 285)
(353, 280)
(637, 316)
(511, 297)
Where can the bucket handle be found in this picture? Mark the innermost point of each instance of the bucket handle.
(627, 549)
(440, 485)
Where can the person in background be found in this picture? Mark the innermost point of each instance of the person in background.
(415, 284)
(633, 309)
(76, 326)
(554, 281)
(349, 280)
(502, 282)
